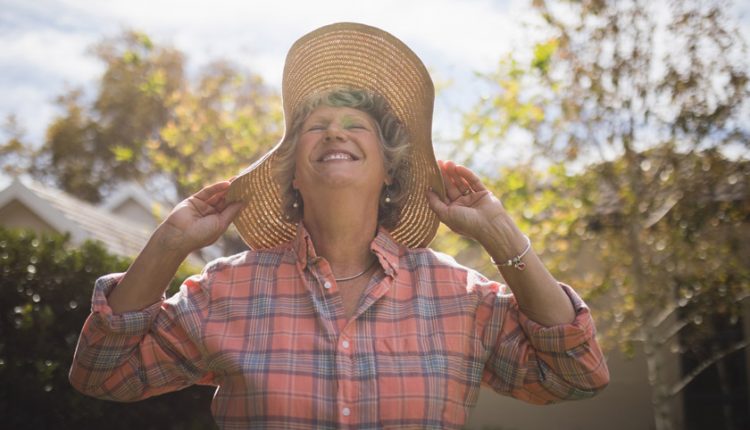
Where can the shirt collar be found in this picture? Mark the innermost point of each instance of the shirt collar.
(383, 246)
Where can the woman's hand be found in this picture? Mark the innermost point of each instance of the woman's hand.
(469, 208)
(199, 220)
(194, 223)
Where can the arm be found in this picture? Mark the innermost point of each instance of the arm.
(539, 364)
(540, 340)
(134, 344)
(194, 223)
(139, 354)
(480, 215)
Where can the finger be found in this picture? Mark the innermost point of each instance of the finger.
(463, 186)
(229, 213)
(470, 178)
(459, 176)
(217, 199)
(220, 204)
(446, 180)
(437, 205)
(452, 192)
(455, 173)
(208, 191)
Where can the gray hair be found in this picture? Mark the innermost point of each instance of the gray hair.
(395, 148)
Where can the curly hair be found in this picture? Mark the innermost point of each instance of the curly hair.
(395, 147)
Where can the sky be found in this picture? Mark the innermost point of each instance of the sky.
(44, 44)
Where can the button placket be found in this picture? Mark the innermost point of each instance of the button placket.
(347, 389)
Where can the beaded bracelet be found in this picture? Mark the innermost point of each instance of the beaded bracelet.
(515, 261)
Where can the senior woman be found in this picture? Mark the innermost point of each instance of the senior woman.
(339, 316)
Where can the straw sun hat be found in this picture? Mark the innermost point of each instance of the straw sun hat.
(349, 55)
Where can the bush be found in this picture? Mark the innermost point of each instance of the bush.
(45, 296)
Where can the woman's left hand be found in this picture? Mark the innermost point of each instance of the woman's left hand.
(469, 208)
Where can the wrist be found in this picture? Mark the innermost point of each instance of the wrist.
(517, 261)
(170, 243)
(503, 240)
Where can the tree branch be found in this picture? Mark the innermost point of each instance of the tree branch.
(682, 383)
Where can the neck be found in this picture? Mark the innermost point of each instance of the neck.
(341, 230)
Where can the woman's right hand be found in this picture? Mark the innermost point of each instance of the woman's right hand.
(198, 220)
(194, 223)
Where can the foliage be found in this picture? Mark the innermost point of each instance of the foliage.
(216, 129)
(651, 98)
(149, 123)
(605, 84)
(83, 151)
(45, 290)
(15, 156)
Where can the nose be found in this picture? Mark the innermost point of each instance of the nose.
(334, 133)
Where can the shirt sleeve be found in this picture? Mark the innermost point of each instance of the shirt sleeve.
(539, 364)
(139, 354)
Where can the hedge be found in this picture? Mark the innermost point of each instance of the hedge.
(45, 296)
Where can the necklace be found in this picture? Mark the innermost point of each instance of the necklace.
(349, 278)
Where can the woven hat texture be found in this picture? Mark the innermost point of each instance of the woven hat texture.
(349, 55)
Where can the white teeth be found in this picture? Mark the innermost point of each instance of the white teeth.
(337, 156)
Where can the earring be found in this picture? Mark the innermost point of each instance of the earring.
(295, 205)
(387, 195)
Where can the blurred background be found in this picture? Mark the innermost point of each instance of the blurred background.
(616, 132)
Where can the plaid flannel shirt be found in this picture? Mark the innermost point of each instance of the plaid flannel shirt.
(268, 328)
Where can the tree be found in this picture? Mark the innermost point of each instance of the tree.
(15, 156)
(93, 146)
(216, 129)
(150, 123)
(651, 98)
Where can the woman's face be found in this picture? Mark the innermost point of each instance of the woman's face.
(339, 147)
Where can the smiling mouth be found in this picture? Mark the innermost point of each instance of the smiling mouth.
(337, 156)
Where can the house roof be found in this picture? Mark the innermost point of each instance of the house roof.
(80, 219)
(132, 192)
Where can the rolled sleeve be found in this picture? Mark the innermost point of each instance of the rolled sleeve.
(139, 354)
(564, 337)
(133, 323)
(539, 364)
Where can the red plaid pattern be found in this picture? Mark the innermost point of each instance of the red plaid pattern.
(267, 327)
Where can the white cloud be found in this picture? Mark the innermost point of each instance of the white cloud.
(50, 52)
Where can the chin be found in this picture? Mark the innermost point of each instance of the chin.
(339, 182)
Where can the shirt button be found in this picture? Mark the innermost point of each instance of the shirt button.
(345, 344)
(327, 285)
(346, 412)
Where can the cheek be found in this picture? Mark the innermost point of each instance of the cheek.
(301, 155)
(298, 173)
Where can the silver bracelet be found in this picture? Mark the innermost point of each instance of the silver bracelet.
(515, 261)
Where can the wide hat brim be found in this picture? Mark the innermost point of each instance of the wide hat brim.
(358, 56)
